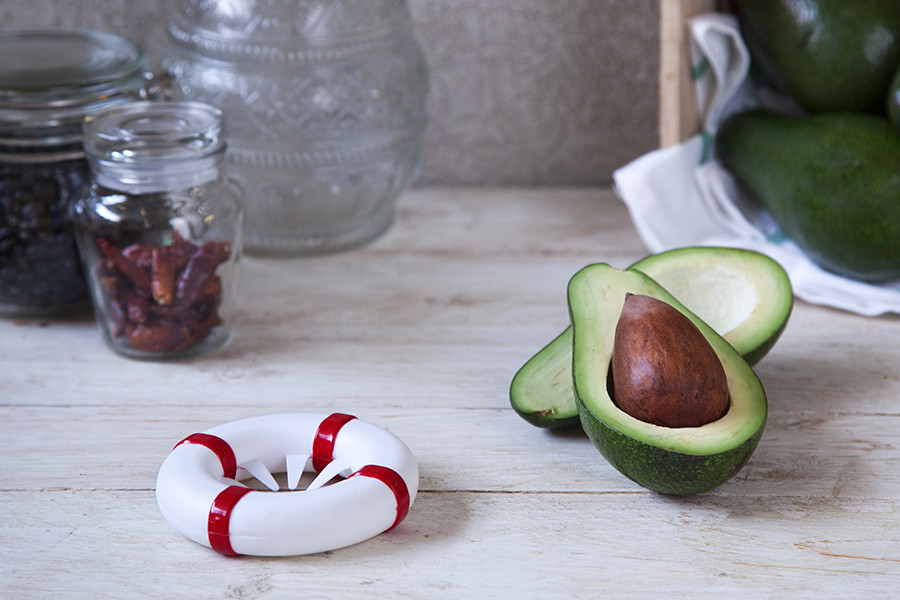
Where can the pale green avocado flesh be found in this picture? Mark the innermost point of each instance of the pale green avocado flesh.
(743, 295)
(677, 461)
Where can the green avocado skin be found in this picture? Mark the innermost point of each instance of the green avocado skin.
(669, 461)
(831, 55)
(830, 181)
(757, 354)
(664, 471)
(893, 100)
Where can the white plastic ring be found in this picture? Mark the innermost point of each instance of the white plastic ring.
(199, 493)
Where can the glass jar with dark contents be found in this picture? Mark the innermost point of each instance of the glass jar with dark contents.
(49, 81)
(159, 228)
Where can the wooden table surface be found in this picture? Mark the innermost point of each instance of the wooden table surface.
(420, 332)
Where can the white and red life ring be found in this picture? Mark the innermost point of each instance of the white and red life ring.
(199, 493)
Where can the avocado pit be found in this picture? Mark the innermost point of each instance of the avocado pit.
(664, 371)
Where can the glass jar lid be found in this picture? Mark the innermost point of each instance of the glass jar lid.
(56, 77)
(144, 146)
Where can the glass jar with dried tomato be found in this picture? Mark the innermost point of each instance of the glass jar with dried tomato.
(159, 228)
(49, 81)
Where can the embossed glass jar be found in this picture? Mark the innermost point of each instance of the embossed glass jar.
(159, 228)
(49, 81)
(326, 108)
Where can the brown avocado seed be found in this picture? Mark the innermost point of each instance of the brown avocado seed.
(663, 370)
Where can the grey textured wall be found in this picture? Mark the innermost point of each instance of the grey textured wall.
(523, 92)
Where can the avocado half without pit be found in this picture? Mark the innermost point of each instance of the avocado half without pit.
(743, 295)
(676, 453)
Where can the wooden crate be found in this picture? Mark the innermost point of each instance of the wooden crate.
(678, 119)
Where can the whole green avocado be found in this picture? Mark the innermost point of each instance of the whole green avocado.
(831, 55)
(830, 181)
(893, 100)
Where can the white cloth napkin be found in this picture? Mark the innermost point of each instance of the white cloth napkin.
(680, 196)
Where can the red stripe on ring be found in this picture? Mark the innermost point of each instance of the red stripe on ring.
(395, 482)
(220, 518)
(326, 434)
(219, 447)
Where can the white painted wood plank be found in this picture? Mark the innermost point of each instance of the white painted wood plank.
(801, 454)
(478, 545)
(826, 361)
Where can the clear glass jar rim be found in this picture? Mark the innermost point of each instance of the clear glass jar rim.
(146, 146)
(51, 79)
(311, 21)
(307, 32)
(56, 66)
(148, 132)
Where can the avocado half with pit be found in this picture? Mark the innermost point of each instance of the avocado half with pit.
(743, 295)
(669, 460)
